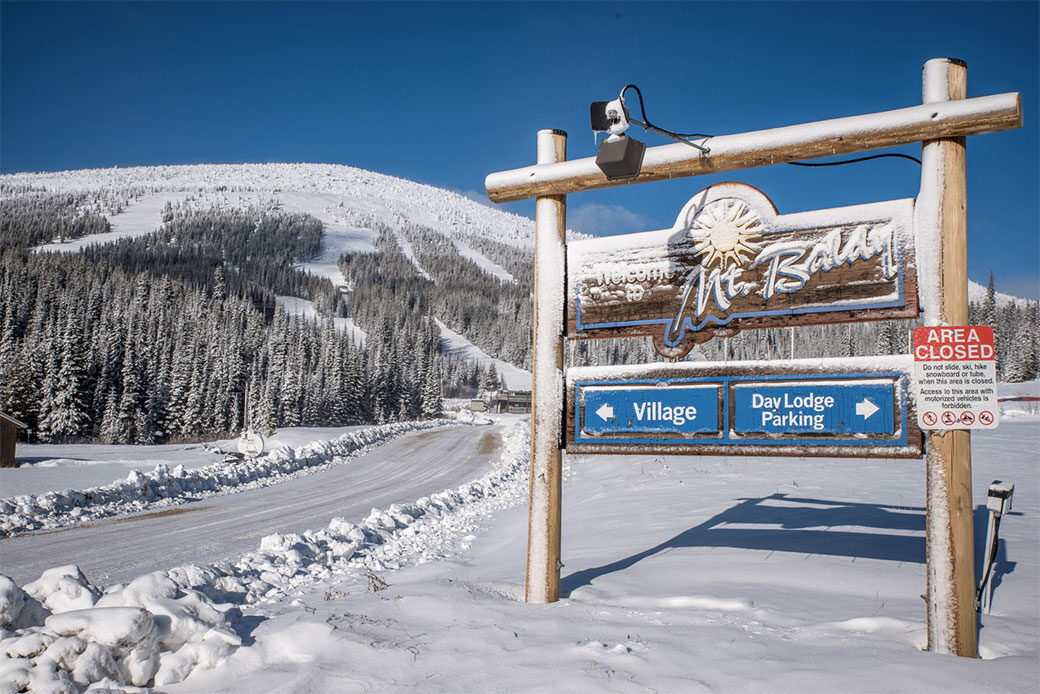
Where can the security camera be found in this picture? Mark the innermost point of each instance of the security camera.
(609, 117)
(619, 156)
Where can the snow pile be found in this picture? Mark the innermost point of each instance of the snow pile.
(468, 416)
(164, 486)
(150, 632)
(61, 634)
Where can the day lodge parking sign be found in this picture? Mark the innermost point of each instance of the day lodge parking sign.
(856, 407)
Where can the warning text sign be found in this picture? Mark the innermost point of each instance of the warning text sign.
(956, 373)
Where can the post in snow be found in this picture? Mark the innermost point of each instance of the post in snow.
(544, 515)
(952, 624)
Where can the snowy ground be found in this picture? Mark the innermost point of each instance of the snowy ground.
(681, 574)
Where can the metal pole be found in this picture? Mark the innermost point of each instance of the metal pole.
(543, 520)
(952, 624)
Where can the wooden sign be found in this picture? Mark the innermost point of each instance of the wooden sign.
(731, 262)
(851, 407)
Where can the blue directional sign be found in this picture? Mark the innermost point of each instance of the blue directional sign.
(820, 407)
(763, 408)
(651, 409)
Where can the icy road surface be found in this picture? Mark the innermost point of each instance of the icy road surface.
(120, 549)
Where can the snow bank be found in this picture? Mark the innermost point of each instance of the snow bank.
(164, 487)
(150, 632)
(61, 634)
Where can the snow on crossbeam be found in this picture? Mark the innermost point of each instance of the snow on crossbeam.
(984, 114)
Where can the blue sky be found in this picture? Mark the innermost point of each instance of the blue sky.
(445, 93)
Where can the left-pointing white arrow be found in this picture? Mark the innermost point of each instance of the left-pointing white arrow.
(866, 408)
(605, 412)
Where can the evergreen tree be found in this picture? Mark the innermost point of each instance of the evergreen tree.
(130, 420)
(489, 383)
(66, 415)
(989, 305)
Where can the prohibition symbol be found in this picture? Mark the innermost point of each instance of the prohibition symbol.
(967, 418)
(949, 418)
(929, 418)
(985, 418)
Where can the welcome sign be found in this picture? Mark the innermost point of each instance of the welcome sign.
(731, 262)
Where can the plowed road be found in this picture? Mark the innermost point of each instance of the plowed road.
(118, 549)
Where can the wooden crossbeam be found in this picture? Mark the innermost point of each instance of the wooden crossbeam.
(839, 136)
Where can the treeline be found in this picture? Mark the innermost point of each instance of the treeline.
(1016, 332)
(258, 246)
(35, 219)
(88, 350)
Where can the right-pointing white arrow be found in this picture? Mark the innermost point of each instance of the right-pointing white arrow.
(866, 408)
(605, 412)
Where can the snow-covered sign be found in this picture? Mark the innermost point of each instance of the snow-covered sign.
(251, 444)
(731, 262)
(852, 407)
(956, 374)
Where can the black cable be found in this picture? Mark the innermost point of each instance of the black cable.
(646, 121)
(647, 125)
(853, 161)
(989, 564)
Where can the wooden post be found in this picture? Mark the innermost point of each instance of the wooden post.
(543, 520)
(952, 624)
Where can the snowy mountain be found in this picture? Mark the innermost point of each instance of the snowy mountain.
(336, 195)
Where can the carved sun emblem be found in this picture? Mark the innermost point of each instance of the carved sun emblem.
(724, 230)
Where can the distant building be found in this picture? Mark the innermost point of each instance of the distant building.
(509, 402)
(9, 427)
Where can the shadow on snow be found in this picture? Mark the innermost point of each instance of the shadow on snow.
(808, 526)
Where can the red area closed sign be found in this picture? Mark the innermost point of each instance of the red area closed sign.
(955, 373)
(965, 343)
